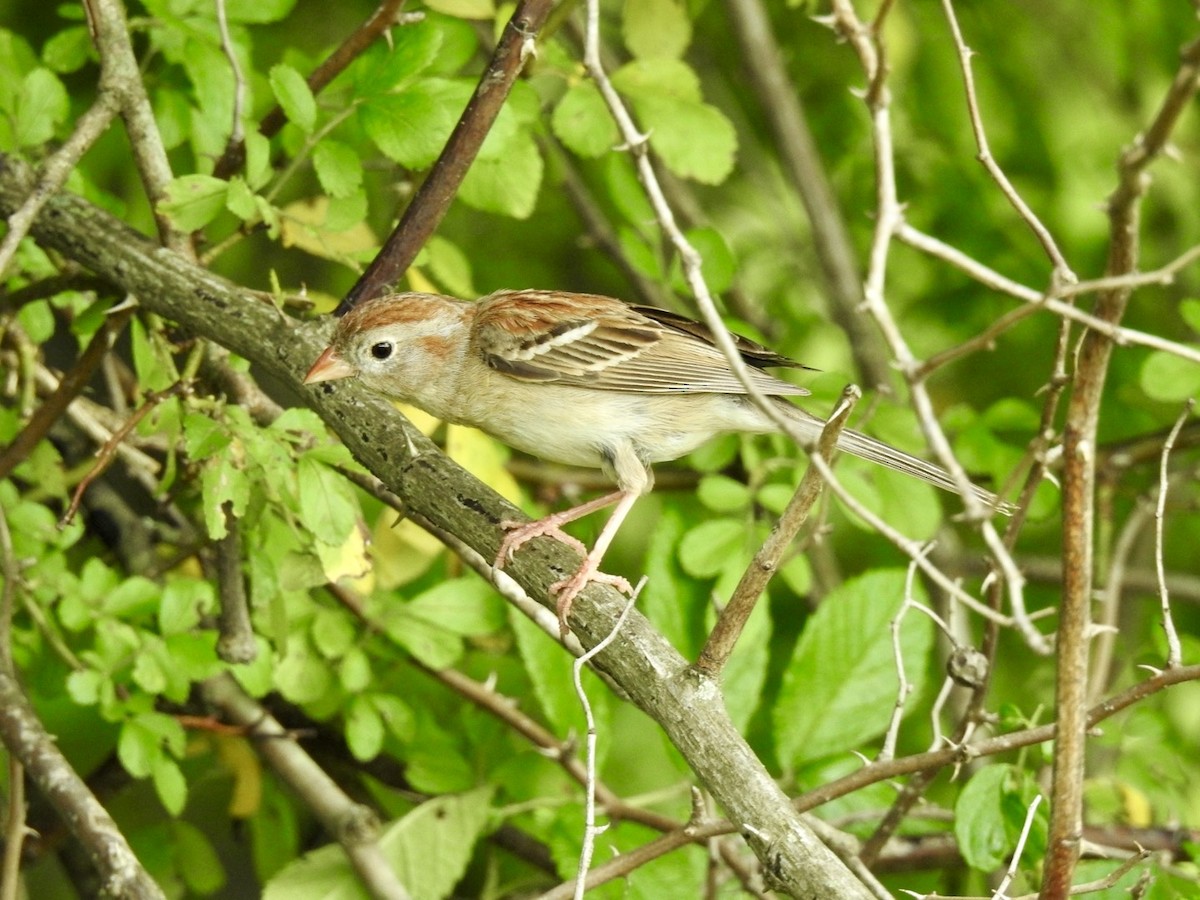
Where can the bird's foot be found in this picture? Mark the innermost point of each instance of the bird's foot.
(518, 534)
(568, 589)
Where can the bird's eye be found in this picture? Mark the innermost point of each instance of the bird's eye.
(382, 350)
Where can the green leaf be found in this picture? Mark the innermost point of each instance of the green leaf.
(203, 436)
(223, 481)
(654, 28)
(413, 48)
(428, 849)
(693, 139)
(295, 96)
(583, 123)
(170, 785)
(718, 263)
(979, 820)
(507, 184)
(1189, 311)
(450, 266)
(705, 549)
(550, 674)
(723, 494)
(431, 846)
(192, 201)
(745, 673)
(431, 644)
(260, 12)
(364, 729)
(658, 78)
(1169, 378)
(196, 859)
(302, 676)
(41, 106)
(333, 633)
(840, 687)
(183, 602)
(412, 127)
(797, 574)
(464, 9)
(355, 670)
(396, 715)
(464, 606)
(328, 507)
(68, 50)
(338, 168)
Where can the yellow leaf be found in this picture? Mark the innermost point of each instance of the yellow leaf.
(484, 457)
(348, 561)
(303, 225)
(240, 760)
(402, 550)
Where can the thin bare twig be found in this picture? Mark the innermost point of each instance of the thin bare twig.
(724, 635)
(591, 831)
(1174, 650)
(432, 200)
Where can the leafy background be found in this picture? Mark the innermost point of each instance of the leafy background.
(355, 615)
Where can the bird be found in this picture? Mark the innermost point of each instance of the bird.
(580, 379)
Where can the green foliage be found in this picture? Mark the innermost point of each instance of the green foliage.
(365, 627)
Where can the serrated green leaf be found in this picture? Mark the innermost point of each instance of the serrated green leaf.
(581, 120)
(1169, 378)
(979, 821)
(507, 184)
(413, 48)
(705, 549)
(192, 201)
(42, 105)
(412, 127)
(718, 263)
(327, 504)
(294, 96)
(658, 78)
(131, 599)
(653, 28)
(693, 139)
(840, 687)
(338, 168)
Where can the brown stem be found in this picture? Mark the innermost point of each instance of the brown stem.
(427, 208)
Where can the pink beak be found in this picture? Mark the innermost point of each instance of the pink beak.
(329, 366)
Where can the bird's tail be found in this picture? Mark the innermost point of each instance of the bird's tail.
(864, 447)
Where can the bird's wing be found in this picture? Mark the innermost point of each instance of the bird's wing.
(591, 341)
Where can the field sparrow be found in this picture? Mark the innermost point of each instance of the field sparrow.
(578, 379)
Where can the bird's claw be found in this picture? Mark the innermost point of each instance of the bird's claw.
(566, 590)
(518, 534)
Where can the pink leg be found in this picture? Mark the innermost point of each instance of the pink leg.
(568, 589)
(521, 533)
